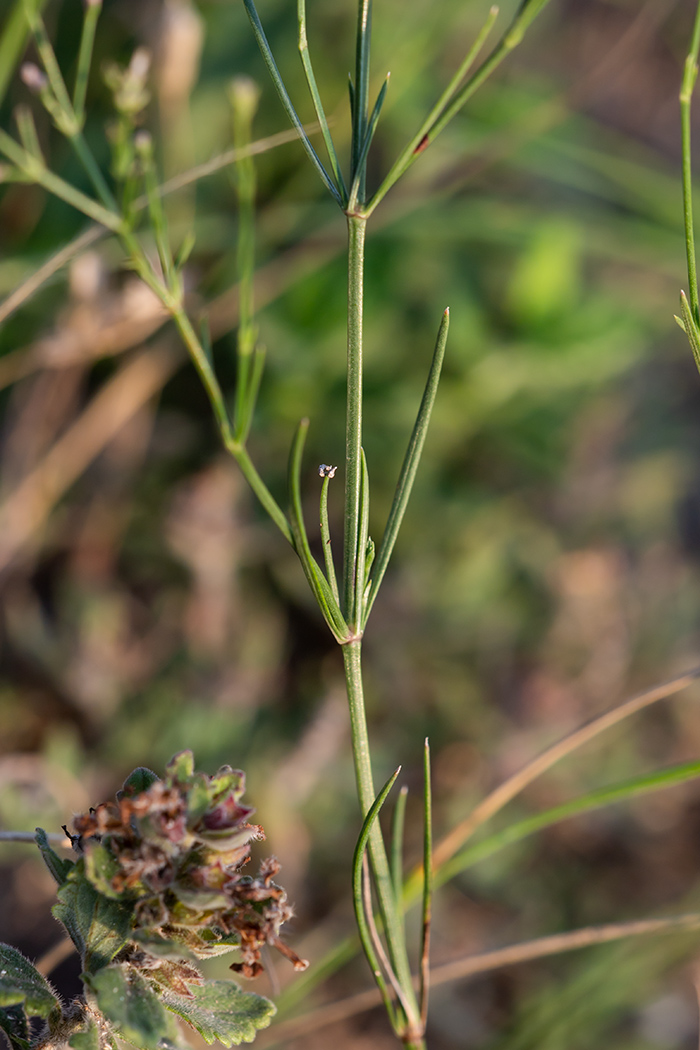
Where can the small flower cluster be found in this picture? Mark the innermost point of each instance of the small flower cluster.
(174, 850)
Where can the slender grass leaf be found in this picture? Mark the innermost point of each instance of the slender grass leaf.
(357, 895)
(220, 1010)
(317, 581)
(410, 465)
(318, 105)
(690, 327)
(422, 137)
(326, 539)
(362, 537)
(369, 135)
(397, 829)
(427, 883)
(274, 72)
(606, 796)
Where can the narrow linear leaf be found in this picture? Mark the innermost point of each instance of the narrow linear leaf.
(357, 896)
(397, 830)
(274, 72)
(410, 465)
(628, 789)
(221, 1010)
(362, 537)
(317, 581)
(316, 98)
(690, 328)
(21, 984)
(427, 883)
(369, 135)
(326, 539)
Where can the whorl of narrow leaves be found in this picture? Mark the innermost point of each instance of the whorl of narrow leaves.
(158, 884)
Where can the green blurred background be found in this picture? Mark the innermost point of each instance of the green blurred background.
(548, 566)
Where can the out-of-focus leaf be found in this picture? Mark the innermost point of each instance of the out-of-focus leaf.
(138, 781)
(87, 1039)
(221, 1010)
(14, 1023)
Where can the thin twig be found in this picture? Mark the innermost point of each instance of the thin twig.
(27, 507)
(30, 837)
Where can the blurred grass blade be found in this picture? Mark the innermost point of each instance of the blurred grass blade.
(244, 96)
(244, 420)
(13, 39)
(397, 829)
(421, 139)
(410, 465)
(87, 43)
(272, 69)
(518, 781)
(358, 896)
(527, 12)
(54, 184)
(627, 789)
(26, 129)
(326, 540)
(318, 104)
(362, 538)
(690, 327)
(427, 884)
(317, 581)
(369, 135)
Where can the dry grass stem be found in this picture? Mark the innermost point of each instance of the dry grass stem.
(24, 511)
(483, 962)
(511, 787)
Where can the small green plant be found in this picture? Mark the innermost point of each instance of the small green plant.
(158, 885)
(159, 880)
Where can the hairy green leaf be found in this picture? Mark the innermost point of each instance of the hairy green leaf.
(22, 984)
(126, 1000)
(221, 1010)
(98, 927)
(58, 866)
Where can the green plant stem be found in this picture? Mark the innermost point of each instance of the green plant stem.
(353, 421)
(87, 41)
(390, 913)
(690, 74)
(13, 38)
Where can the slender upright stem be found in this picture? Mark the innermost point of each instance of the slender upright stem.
(391, 915)
(690, 74)
(353, 419)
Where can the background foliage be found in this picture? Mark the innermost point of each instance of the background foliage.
(548, 564)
